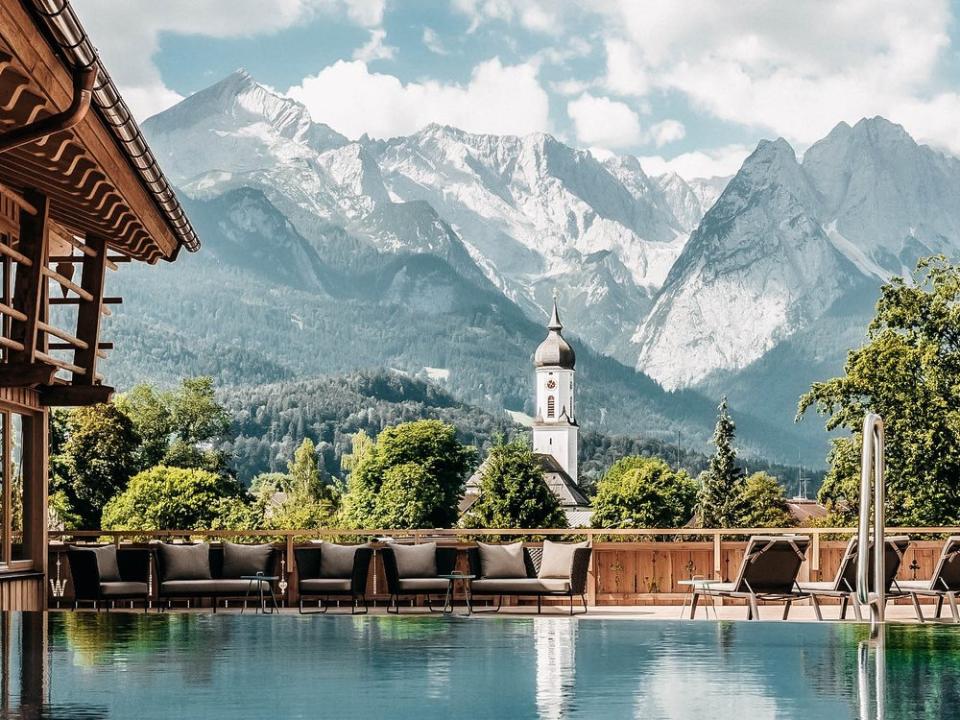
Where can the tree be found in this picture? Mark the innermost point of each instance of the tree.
(720, 485)
(196, 415)
(304, 474)
(763, 503)
(639, 492)
(168, 498)
(98, 459)
(298, 499)
(432, 491)
(150, 414)
(513, 493)
(908, 372)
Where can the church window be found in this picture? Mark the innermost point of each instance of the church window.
(551, 406)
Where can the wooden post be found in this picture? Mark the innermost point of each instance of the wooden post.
(28, 292)
(292, 586)
(35, 490)
(717, 562)
(88, 313)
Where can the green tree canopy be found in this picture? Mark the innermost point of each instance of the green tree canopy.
(97, 460)
(639, 492)
(168, 498)
(721, 484)
(384, 486)
(908, 372)
(298, 499)
(763, 503)
(513, 493)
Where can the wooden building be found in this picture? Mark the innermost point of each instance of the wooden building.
(80, 192)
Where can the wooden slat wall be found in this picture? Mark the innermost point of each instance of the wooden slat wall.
(21, 593)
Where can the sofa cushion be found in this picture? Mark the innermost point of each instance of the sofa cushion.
(336, 561)
(416, 561)
(106, 555)
(502, 561)
(423, 585)
(242, 559)
(324, 585)
(519, 586)
(185, 562)
(123, 589)
(203, 588)
(557, 561)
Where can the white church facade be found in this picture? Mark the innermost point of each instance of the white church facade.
(556, 435)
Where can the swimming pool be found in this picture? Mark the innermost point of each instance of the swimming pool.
(84, 665)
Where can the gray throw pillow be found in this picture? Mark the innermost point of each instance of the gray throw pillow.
(242, 559)
(415, 561)
(502, 561)
(336, 561)
(107, 567)
(185, 562)
(557, 559)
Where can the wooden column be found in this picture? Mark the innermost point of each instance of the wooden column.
(35, 482)
(88, 313)
(28, 289)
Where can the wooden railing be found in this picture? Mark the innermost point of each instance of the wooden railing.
(629, 567)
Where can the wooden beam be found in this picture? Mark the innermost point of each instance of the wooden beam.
(88, 315)
(75, 395)
(19, 375)
(11, 312)
(28, 287)
(9, 252)
(74, 342)
(66, 282)
(78, 301)
(62, 364)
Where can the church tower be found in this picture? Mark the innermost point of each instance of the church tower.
(555, 430)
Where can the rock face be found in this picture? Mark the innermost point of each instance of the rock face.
(787, 240)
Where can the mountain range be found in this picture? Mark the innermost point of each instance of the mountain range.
(437, 254)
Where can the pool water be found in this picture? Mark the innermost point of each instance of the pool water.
(81, 666)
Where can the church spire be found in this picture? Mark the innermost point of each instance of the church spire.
(555, 323)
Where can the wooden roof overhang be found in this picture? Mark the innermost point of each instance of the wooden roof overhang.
(77, 182)
(93, 183)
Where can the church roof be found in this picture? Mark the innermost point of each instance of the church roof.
(560, 483)
(554, 351)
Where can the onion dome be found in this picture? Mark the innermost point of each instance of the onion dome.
(555, 351)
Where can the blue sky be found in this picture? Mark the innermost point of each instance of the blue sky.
(688, 85)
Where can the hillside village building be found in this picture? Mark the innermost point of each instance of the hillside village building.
(556, 434)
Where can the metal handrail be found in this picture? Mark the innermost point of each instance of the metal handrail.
(872, 492)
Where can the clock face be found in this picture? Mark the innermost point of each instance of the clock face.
(551, 384)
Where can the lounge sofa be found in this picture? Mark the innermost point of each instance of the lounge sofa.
(326, 570)
(198, 571)
(555, 570)
(103, 575)
(415, 570)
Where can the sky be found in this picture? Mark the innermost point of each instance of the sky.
(686, 85)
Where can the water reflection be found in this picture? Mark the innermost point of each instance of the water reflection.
(555, 642)
(87, 665)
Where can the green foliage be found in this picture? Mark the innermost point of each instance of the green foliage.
(97, 460)
(167, 498)
(639, 492)
(908, 373)
(298, 499)
(513, 493)
(415, 471)
(149, 411)
(721, 484)
(763, 503)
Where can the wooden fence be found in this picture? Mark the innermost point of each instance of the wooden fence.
(628, 567)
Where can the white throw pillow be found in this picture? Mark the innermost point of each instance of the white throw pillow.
(557, 561)
(502, 561)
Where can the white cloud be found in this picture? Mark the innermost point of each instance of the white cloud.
(432, 41)
(666, 132)
(794, 69)
(374, 49)
(716, 162)
(532, 14)
(353, 100)
(127, 33)
(604, 122)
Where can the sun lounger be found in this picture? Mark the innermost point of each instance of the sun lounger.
(844, 585)
(768, 572)
(945, 583)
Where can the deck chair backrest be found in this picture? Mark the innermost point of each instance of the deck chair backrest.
(846, 578)
(896, 547)
(771, 564)
(946, 576)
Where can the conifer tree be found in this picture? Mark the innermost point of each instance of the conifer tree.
(721, 485)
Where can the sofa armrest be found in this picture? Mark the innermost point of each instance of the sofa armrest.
(85, 574)
(447, 560)
(361, 570)
(390, 570)
(134, 564)
(580, 570)
(308, 562)
(473, 560)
